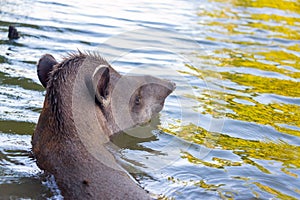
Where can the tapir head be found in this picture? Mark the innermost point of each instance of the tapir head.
(125, 101)
(130, 100)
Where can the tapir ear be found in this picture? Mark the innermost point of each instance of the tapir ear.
(101, 79)
(44, 67)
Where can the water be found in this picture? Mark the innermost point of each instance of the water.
(230, 130)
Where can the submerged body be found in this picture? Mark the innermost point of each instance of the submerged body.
(86, 102)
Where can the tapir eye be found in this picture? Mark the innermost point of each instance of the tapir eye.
(137, 100)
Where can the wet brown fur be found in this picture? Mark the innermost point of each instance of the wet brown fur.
(60, 151)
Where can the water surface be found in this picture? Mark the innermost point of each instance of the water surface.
(231, 130)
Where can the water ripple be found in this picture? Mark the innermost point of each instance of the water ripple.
(230, 131)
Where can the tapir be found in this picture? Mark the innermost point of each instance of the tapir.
(86, 103)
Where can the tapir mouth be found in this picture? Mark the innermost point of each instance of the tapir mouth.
(146, 123)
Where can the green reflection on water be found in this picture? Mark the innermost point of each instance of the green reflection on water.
(25, 83)
(16, 127)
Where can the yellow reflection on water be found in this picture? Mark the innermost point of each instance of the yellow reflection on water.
(247, 150)
(276, 24)
(259, 84)
(276, 193)
(286, 5)
(263, 60)
(259, 66)
(261, 57)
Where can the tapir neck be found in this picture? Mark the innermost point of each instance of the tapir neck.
(82, 167)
